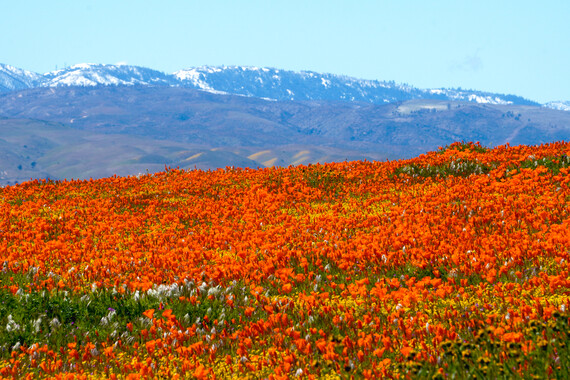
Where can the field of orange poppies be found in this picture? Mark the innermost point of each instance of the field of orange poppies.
(453, 264)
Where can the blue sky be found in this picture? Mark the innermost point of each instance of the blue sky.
(517, 47)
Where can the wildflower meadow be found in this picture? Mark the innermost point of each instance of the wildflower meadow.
(450, 265)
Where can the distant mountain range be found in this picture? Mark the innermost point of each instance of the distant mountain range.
(98, 120)
(265, 83)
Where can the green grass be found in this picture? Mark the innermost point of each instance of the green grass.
(59, 317)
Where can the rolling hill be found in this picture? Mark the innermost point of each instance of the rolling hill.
(96, 120)
(97, 131)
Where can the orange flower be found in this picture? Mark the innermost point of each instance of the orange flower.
(287, 288)
(248, 311)
(381, 252)
(406, 350)
(149, 313)
(201, 372)
(167, 313)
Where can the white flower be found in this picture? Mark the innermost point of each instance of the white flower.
(37, 324)
(12, 325)
(55, 323)
(214, 291)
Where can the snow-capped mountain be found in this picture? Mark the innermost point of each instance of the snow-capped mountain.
(307, 85)
(559, 105)
(277, 84)
(86, 74)
(12, 78)
(267, 83)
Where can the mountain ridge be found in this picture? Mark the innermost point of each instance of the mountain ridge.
(261, 82)
(83, 132)
(94, 120)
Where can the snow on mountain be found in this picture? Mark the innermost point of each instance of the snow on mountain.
(12, 78)
(88, 74)
(266, 83)
(196, 78)
(289, 85)
(475, 96)
(559, 105)
(307, 85)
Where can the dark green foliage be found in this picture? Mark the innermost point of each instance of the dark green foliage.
(319, 177)
(57, 318)
(465, 146)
